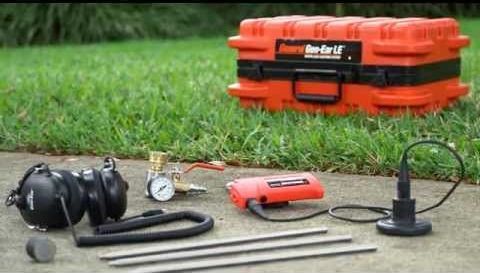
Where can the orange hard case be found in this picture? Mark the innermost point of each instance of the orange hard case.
(336, 65)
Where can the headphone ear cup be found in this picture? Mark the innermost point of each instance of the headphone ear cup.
(115, 189)
(77, 201)
(97, 209)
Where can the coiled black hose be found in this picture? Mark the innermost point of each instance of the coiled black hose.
(109, 234)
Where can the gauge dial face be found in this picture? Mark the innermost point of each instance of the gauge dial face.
(161, 188)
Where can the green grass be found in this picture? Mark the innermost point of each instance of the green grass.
(127, 98)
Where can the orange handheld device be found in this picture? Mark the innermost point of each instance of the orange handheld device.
(255, 192)
(275, 189)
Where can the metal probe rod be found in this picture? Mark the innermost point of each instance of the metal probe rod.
(210, 243)
(254, 259)
(202, 253)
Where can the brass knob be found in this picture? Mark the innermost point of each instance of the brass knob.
(158, 160)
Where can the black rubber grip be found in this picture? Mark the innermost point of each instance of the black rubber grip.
(316, 98)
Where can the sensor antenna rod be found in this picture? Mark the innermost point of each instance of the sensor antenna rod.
(403, 220)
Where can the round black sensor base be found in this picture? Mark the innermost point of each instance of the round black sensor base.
(391, 227)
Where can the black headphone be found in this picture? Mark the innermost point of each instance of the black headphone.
(102, 193)
(59, 198)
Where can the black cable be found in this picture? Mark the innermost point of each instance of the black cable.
(67, 217)
(387, 213)
(457, 183)
(257, 208)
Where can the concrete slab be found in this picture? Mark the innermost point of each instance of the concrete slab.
(454, 244)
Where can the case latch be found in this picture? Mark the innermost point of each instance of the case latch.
(381, 78)
(256, 72)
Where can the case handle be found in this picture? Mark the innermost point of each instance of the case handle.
(326, 99)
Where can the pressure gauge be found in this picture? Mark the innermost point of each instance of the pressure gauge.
(161, 188)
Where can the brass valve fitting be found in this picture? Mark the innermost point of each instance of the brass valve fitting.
(158, 160)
